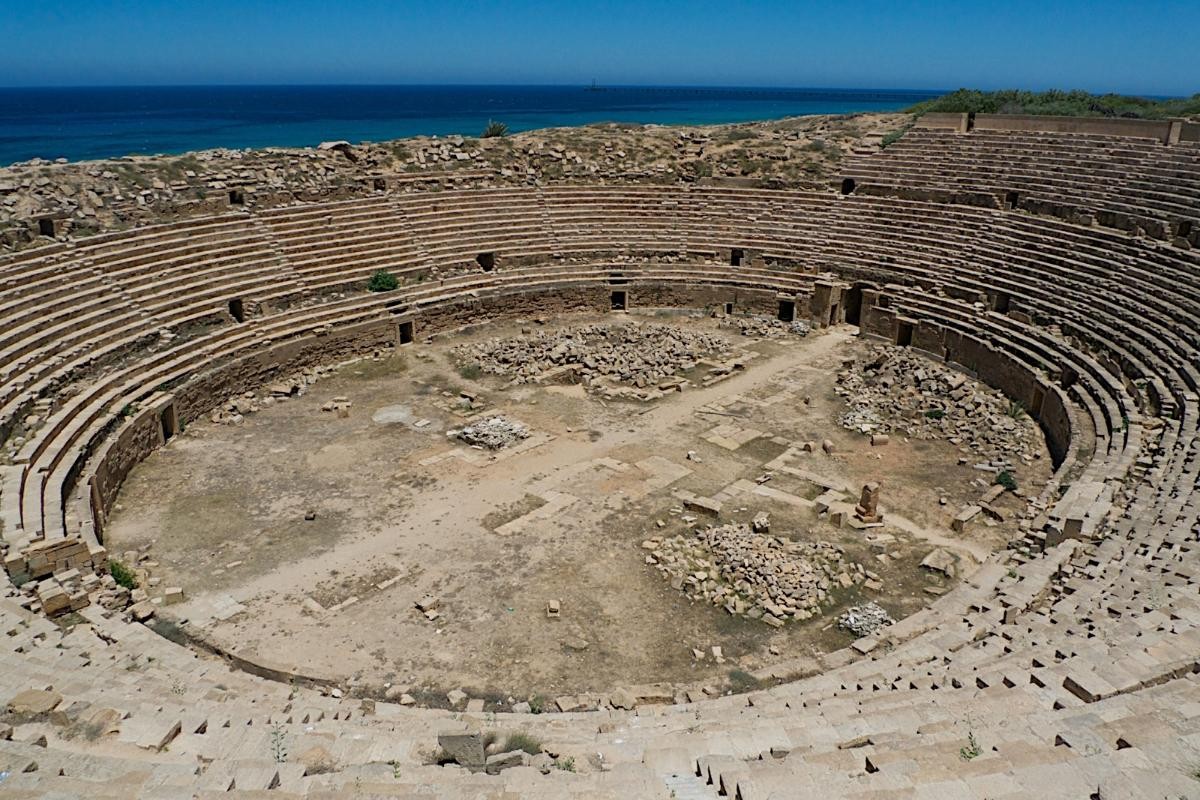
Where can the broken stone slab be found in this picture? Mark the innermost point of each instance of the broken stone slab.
(623, 698)
(33, 702)
(704, 505)
(456, 697)
(941, 560)
(959, 523)
(568, 703)
(500, 761)
(466, 749)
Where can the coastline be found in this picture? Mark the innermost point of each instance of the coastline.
(94, 123)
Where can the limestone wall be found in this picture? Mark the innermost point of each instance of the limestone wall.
(1101, 126)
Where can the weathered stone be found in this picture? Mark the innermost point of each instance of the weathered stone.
(465, 749)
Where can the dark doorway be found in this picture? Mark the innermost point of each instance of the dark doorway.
(1012, 199)
(787, 311)
(1185, 228)
(406, 332)
(169, 421)
(736, 257)
(46, 227)
(904, 334)
(729, 308)
(848, 185)
(1039, 397)
(486, 261)
(854, 305)
(237, 197)
(833, 314)
(237, 310)
(618, 301)
(1069, 377)
(1000, 302)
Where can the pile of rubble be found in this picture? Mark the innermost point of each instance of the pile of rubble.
(59, 576)
(892, 390)
(865, 619)
(234, 410)
(765, 327)
(765, 577)
(638, 354)
(493, 433)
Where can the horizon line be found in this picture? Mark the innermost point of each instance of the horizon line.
(566, 85)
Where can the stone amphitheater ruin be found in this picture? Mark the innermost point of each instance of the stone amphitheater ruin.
(323, 594)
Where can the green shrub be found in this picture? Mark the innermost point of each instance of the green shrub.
(470, 371)
(494, 130)
(1072, 104)
(935, 413)
(1007, 480)
(1015, 410)
(537, 704)
(383, 281)
(565, 764)
(972, 749)
(122, 574)
(523, 742)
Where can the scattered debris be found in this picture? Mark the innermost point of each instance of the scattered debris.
(891, 390)
(643, 355)
(864, 620)
(765, 327)
(772, 578)
(493, 433)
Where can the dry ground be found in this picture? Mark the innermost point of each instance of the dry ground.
(222, 510)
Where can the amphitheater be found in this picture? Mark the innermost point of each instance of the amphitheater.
(1054, 259)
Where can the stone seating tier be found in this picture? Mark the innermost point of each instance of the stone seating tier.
(1071, 668)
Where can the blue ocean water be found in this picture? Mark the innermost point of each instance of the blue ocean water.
(89, 123)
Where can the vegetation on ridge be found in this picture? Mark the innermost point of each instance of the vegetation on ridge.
(1056, 102)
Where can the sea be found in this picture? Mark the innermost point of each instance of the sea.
(109, 122)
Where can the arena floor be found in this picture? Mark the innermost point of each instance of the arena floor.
(402, 512)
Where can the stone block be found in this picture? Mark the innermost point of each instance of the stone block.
(465, 748)
(33, 702)
(500, 761)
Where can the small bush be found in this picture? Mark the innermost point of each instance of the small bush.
(523, 742)
(470, 371)
(1015, 410)
(565, 764)
(122, 574)
(278, 744)
(494, 130)
(1007, 480)
(537, 704)
(972, 750)
(935, 413)
(383, 281)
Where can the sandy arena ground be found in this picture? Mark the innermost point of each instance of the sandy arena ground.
(403, 512)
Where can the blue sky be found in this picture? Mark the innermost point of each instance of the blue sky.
(1150, 47)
